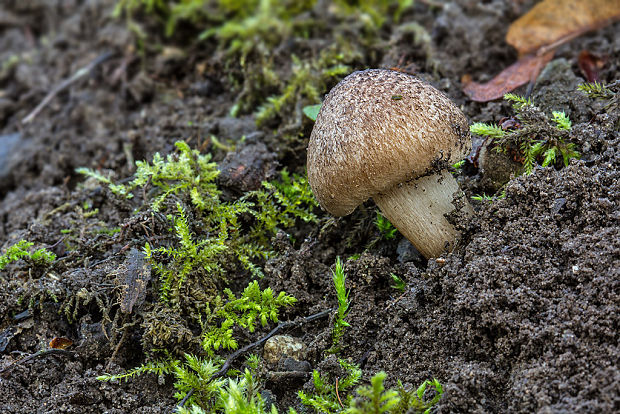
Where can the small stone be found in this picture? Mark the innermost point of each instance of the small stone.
(280, 346)
(9, 145)
(293, 365)
(558, 205)
(407, 252)
(245, 169)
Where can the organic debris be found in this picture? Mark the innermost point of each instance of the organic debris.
(536, 35)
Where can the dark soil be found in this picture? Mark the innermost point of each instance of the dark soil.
(522, 317)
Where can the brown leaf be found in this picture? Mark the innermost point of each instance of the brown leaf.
(590, 65)
(60, 343)
(137, 272)
(525, 69)
(552, 22)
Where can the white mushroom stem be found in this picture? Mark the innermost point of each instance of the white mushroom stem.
(418, 208)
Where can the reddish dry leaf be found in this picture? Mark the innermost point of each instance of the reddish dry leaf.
(590, 65)
(536, 34)
(553, 22)
(60, 343)
(525, 69)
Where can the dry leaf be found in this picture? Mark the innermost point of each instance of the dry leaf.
(525, 69)
(60, 343)
(590, 65)
(552, 22)
(137, 272)
(536, 35)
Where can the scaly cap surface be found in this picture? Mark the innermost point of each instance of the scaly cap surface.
(376, 129)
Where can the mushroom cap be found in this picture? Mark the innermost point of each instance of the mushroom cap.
(377, 129)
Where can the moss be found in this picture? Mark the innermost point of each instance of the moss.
(210, 239)
(537, 139)
(308, 81)
(252, 41)
(21, 251)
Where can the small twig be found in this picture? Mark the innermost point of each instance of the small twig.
(396, 300)
(184, 400)
(282, 326)
(52, 351)
(338, 395)
(117, 348)
(66, 83)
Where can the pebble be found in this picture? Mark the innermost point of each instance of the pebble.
(280, 346)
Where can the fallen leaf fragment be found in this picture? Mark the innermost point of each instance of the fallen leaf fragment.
(537, 34)
(311, 111)
(590, 65)
(137, 272)
(553, 22)
(519, 73)
(60, 343)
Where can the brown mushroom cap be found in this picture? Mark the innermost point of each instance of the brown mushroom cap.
(376, 129)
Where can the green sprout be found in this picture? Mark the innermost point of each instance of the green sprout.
(342, 294)
(20, 250)
(398, 283)
(386, 228)
(595, 90)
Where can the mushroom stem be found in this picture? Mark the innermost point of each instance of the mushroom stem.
(418, 208)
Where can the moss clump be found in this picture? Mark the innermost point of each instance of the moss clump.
(252, 40)
(253, 307)
(308, 80)
(21, 251)
(239, 229)
(210, 239)
(538, 139)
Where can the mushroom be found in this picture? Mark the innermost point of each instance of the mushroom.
(388, 135)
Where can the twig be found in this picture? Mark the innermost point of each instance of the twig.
(280, 327)
(184, 400)
(237, 353)
(66, 83)
(396, 300)
(338, 395)
(52, 351)
(118, 347)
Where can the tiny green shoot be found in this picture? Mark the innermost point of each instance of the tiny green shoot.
(398, 283)
(312, 111)
(342, 294)
(20, 250)
(595, 90)
(386, 228)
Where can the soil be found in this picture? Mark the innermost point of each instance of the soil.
(521, 317)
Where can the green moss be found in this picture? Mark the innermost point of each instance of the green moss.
(224, 232)
(342, 294)
(250, 35)
(596, 90)
(398, 283)
(21, 251)
(251, 308)
(328, 395)
(386, 228)
(175, 263)
(539, 140)
(210, 240)
(159, 367)
(308, 81)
